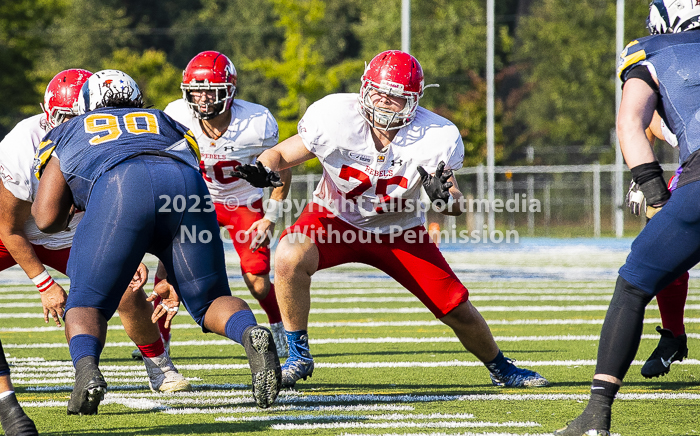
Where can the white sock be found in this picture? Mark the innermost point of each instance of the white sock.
(6, 394)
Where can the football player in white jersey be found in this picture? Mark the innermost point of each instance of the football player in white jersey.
(377, 149)
(21, 242)
(233, 132)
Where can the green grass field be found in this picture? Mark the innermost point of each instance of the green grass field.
(384, 365)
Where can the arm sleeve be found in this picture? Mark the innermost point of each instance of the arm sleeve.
(641, 72)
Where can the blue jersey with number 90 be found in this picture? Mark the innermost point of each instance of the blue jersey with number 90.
(91, 144)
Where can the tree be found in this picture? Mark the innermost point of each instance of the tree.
(568, 52)
(22, 23)
(159, 81)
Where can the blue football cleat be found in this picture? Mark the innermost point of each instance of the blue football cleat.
(295, 369)
(300, 363)
(517, 377)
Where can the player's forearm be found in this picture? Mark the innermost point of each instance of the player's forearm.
(23, 252)
(279, 194)
(455, 207)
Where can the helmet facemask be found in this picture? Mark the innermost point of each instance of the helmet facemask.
(223, 100)
(386, 119)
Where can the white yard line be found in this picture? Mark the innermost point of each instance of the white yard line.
(385, 340)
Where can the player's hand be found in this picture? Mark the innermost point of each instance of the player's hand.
(258, 175)
(437, 187)
(169, 304)
(636, 202)
(140, 278)
(262, 231)
(53, 301)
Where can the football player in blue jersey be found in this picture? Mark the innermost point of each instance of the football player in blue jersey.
(659, 73)
(673, 344)
(135, 173)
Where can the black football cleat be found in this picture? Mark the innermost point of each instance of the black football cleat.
(90, 388)
(264, 365)
(669, 350)
(13, 419)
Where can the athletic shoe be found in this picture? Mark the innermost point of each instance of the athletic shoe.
(517, 377)
(669, 350)
(295, 369)
(163, 376)
(90, 388)
(569, 431)
(136, 353)
(300, 363)
(264, 365)
(280, 337)
(13, 419)
(581, 426)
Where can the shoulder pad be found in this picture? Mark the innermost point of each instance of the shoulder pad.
(633, 53)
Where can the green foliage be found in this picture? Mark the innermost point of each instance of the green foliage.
(21, 25)
(448, 38)
(85, 36)
(569, 50)
(159, 81)
(301, 70)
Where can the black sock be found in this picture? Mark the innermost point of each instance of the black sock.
(598, 410)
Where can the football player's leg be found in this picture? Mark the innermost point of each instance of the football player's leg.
(667, 247)
(296, 260)
(673, 345)
(198, 271)
(255, 267)
(135, 314)
(419, 266)
(107, 248)
(12, 418)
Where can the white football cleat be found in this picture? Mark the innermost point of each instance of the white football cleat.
(163, 377)
(280, 338)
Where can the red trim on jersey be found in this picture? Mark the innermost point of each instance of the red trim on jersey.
(237, 221)
(410, 257)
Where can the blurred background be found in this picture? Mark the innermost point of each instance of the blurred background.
(555, 63)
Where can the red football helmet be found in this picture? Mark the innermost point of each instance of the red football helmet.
(210, 70)
(61, 96)
(395, 73)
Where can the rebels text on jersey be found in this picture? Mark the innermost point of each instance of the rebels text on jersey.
(371, 190)
(252, 130)
(91, 144)
(17, 152)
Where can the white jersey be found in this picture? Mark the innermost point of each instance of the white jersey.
(253, 130)
(17, 152)
(375, 191)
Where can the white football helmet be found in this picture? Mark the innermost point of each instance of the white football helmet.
(673, 16)
(109, 88)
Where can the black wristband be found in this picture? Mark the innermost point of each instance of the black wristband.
(655, 191)
(647, 171)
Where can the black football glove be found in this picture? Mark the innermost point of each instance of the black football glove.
(437, 187)
(258, 175)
